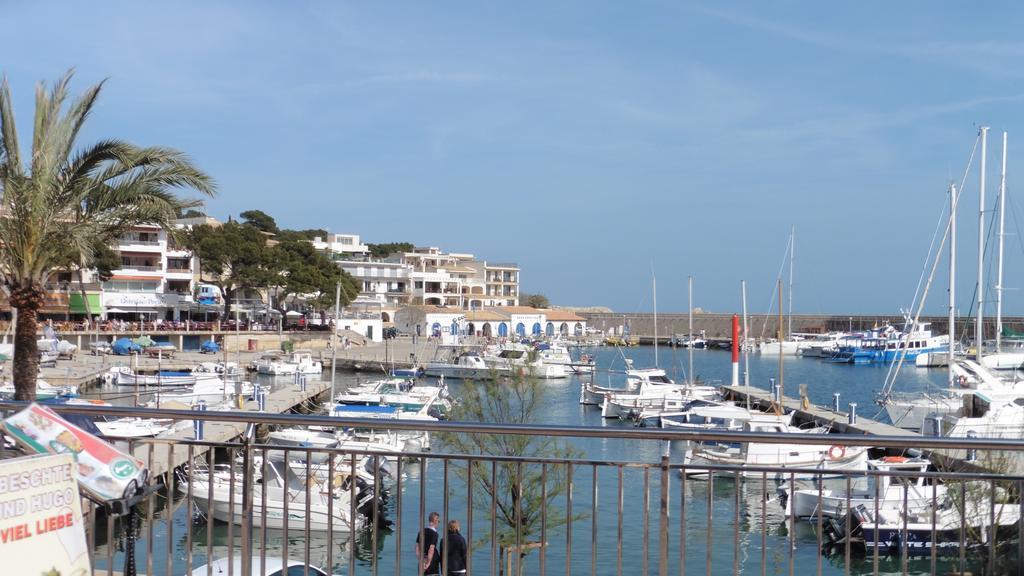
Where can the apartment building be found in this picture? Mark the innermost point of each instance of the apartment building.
(342, 246)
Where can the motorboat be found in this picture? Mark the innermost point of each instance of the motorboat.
(280, 364)
(125, 376)
(212, 391)
(524, 360)
(887, 344)
(280, 499)
(594, 395)
(134, 427)
(405, 394)
(410, 440)
(44, 390)
(880, 489)
(806, 461)
(466, 365)
(262, 565)
(558, 353)
(944, 529)
(652, 389)
(704, 415)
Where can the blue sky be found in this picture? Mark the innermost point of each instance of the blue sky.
(587, 141)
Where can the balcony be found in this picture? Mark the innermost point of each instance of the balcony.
(641, 512)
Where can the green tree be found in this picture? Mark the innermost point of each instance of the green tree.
(534, 300)
(260, 220)
(385, 250)
(233, 257)
(307, 234)
(304, 270)
(518, 490)
(59, 203)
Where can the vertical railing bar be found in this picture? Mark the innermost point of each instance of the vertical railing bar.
(569, 522)
(709, 521)
(444, 517)
(593, 521)
(683, 473)
(1020, 524)
(792, 527)
(352, 524)
(935, 506)
(189, 508)
(330, 512)
(469, 516)
(170, 508)
(906, 533)
(992, 524)
(820, 512)
(620, 497)
(846, 545)
(663, 488)
(263, 508)
(110, 540)
(736, 527)
(877, 520)
(398, 515)
(543, 517)
(309, 483)
(645, 561)
(285, 516)
(518, 510)
(149, 515)
(231, 509)
(378, 493)
(764, 528)
(963, 527)
(494, 517)
(211, 465)
(422, 538)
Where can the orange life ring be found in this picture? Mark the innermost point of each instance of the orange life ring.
(894, 459)
(836, 452)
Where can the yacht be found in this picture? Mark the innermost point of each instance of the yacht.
(522, 359)
(558, 353)
(882, 490)
(464, 365)
(655, 392)
(887, 344)
(298, 362)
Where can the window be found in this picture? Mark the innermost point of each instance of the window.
(130, 286)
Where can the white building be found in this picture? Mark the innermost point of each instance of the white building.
(342, 246)
(448, 324)
(156, 278)
(493, 322)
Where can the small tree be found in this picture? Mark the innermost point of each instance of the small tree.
(517, 489)
(535, 300)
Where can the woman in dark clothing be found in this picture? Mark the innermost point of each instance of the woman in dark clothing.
(453, 551)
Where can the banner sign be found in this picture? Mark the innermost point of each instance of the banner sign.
(41, 528)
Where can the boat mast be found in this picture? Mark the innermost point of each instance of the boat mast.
(952, 279)
(690, 328)
(746, 346)
(782, 389)
(792, 257)
(999, 269)
(979, 326)
(654, 288)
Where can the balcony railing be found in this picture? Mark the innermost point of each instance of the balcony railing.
(177, 270)
(645, 512)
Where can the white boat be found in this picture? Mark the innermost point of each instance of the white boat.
(937, 359)
(714, 416)
(280, 364)
(44, 390)
(521, 359)
(887, 493)
(268, 566)
(125, 376)
(807, 461)
(134, 427)
(652, 389)
(789, 347)
(329, 508)
(405, 394)
(466, 365)
(558, 353)
(212, 391)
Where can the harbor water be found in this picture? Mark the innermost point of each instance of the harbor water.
(733, 526)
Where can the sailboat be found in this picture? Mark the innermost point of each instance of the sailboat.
(791, 345)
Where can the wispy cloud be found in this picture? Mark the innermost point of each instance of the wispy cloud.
(418, 77)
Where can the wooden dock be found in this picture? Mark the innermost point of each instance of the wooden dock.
(161, 456)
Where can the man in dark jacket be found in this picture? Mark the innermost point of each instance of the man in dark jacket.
(453, 550)
(429, 559)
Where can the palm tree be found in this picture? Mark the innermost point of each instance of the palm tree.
(59, 203)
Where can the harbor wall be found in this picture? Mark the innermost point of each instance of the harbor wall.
(714, 325)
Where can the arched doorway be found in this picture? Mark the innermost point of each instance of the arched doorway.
(563, 329)
(455, 328)
(502, 329)
(471, 329)
(435, 330)
(487, 329)
(536, 329)
(550, 329)
(385, 317)
(432, 301)
(578, 330)
(521, 329)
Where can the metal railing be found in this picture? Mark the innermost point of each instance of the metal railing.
(645, 511)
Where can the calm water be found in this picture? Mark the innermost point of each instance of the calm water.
(762, 530)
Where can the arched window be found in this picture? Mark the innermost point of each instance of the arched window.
(550, 329)
(521, 329)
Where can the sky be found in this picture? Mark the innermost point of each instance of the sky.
(594, 143)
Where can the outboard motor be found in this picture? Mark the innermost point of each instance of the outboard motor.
(835, 528)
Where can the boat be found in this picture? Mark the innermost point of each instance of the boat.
(806, 461)
(887, 344)
(218, 491)
(451, 362)
(654, 391)
(44, 390)
(212, 391)
(687, 341)
(281, 364)
(134, 427)
(705, 415)
(523, 359)
(262, 565)
(405, 394)
(944, 530)
(125, 376)
(883, 491)
(558, 353)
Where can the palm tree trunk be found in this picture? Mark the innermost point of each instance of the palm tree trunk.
(26, 348)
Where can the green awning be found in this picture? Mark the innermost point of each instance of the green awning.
(77, 306)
